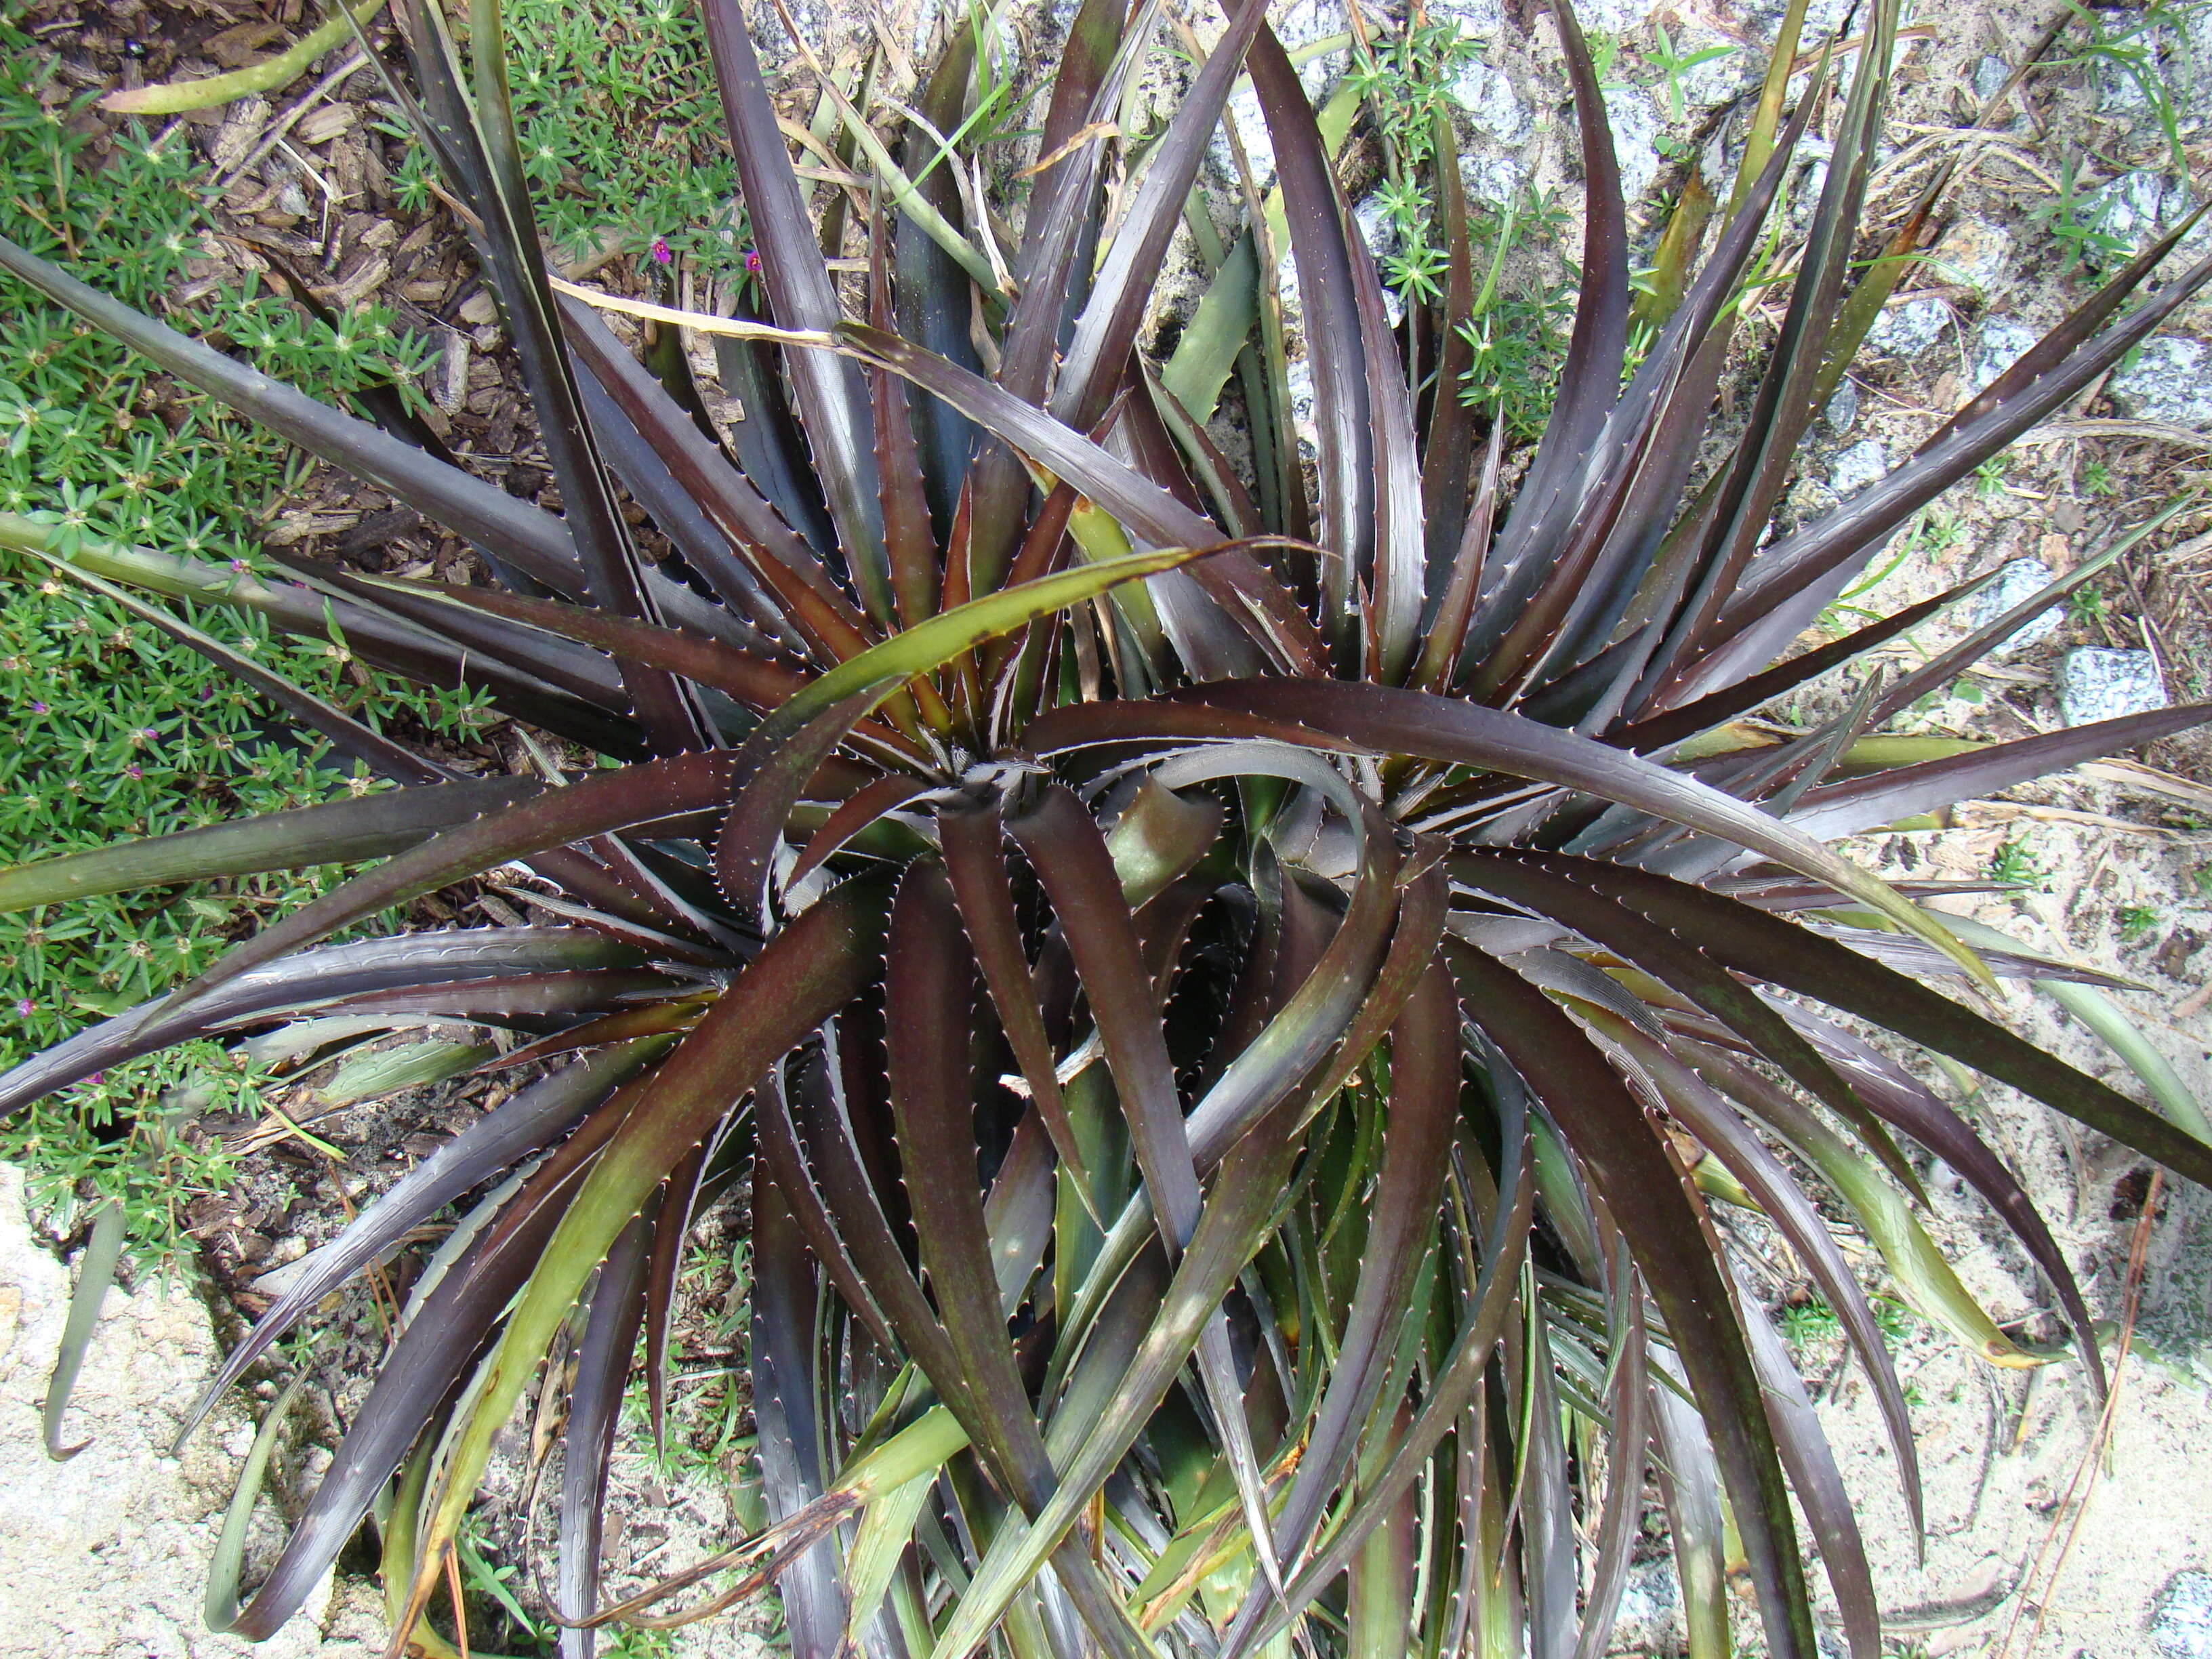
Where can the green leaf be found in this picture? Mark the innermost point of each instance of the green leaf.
(779, 757)
(219, 1607)
(344, 831)
(800, 978)
(96, 1272)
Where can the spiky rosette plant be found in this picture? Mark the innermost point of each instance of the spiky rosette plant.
(1246, 1018)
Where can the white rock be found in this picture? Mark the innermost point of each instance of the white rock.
(1909, 329)
(2096, 683)
(1480, 19)
(1493, 176)
(1243, 113)
(1705, 86)
(1635, 116)
(2127, 208)
(107, 1554)
(1998, 344)
(1822, 17)
(817, 22)
(2167, 382)
(1487, 95)
(1972, 252)
(1302, 23)
(1863, 464)
(1383, 242)
(2181, 1626)
(1613, 16)
(1651, 1620)
(1842, 410)
(2020, 581)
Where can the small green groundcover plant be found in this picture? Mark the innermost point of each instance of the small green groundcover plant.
(115, 725)
(1249, 1001)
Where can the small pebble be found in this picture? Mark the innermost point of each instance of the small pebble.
(2096, 683)
(2018, 581)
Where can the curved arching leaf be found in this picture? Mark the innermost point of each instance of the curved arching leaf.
(1384, 720)
(344, 831)
(802, 977)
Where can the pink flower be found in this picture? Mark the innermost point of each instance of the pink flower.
(752, 260)
(662, 253)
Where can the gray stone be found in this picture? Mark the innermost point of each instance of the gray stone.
(1973, 253)
(1494, 174)
(1842, 410)
(1718, 79)
(1482, 19)
(1244, 114)
(2017, 582)
(1989, 76)
(1822, 17)
(2181, 1628)
(1487, 95)
(1614, 16)
(1383, 241)
(2095, 683)
(816, 22)
(1911, 330)
(1863, 464)
(1651, 1619)
(2126, 208)
(1302, 22)
(1635, 116)
(2167, 382)
(1998, 344)
(108, 1553)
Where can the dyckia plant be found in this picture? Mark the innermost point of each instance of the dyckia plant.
(1248, 1004)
